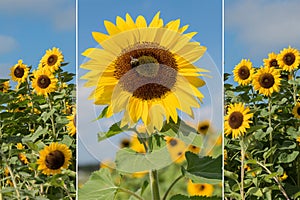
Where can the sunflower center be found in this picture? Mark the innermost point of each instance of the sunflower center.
(146, 70)
(19, 72)
(273, 63)
(55, 160)
(43, 81)
(52, 60)
(201, 187)
(289, 58)
(203, 128)
(235, 120)
(298, 111)
(266, 80)
(125, 143)
(173, 142)
(244, 72)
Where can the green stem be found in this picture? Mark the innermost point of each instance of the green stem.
(52, 119)
(242, 167)
(270, 126)
(130, 192)
(276, 180)
(154, 184)
(13, 180)
(171, 186)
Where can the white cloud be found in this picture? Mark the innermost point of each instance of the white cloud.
(263, 25)
(8, 44)
(60, 12)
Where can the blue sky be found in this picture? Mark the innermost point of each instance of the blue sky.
(29, 28)
(204, 17)
(255, 28)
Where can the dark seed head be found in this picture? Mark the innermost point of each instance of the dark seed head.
(235, 120)
(43, 81)
(55, 160)
(52, 60)
(19, 72)
(289, 59)
(173, 142)
(266, 80)
(244, 73)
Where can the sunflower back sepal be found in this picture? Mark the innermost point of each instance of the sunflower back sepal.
(183, 197)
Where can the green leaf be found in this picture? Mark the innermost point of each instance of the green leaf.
(270, 152)
(46, 115)
(204, 169)
(113, 130)
(102, 114)
(231, 175)
(285, 157)
(183, 197)
(100, 186)
(129, 161)
(255, 191)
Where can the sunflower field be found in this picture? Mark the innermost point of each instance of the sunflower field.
(145, 79)
(262, 133)
(37, 128)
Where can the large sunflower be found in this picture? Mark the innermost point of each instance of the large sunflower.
(296, 111)
(271, 61)
(52, 59)
(267, 80)
(44, 82)
(289, 59)
(200, 189)
(54, 158)
(145, 70)
(237, 120)
(19, 72)
(243, 72)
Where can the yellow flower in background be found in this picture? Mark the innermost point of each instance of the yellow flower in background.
(20, 146)
(4, 86)
(125, 143)
(203, 127)
(237, 120)
(136, 145)
(22, 157)
(194, 149)
(52, 59)
(289, 59)
(176, 148)
(283, 177)
(267, 80)
(71, 126)
(298, 139)
(145, 70)
(225, 156)
(44, 82)
(200, 189)
(271, 61)
(296, 110)
(19, 72)
(54, 158)
(243, 72)
(108, 164)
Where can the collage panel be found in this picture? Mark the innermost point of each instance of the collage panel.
(262, 134)
(37, 100)
(150, 106)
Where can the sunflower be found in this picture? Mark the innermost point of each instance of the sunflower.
(71, 126)
(243, 72)
(176, 149)
(20, 146)
(289, 59)
(203, 127)
(54, 158)
(296, 111)
(145, 70)
(44, 82)
(267, 80)
(52, 59)
(22, 157)
(19, 72)
(4, 86)
(283, 176)
(200, 189)
(194, 149)
(237, 120)
(136, 145)
(271, 61)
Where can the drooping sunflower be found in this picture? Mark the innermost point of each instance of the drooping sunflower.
(54, 158)
(145, 70)
(52, 59)
(243, 72)
(267, 80)
(71, 126)
(4, 86)
(19, 72)
(296, 111)
(44, 82)
(203, 127)
(237, 120)
(271, 61)
(289, 59)
(200, 189)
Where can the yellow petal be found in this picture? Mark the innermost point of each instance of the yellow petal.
(141, 22)
(99, 37)
(111, 28)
